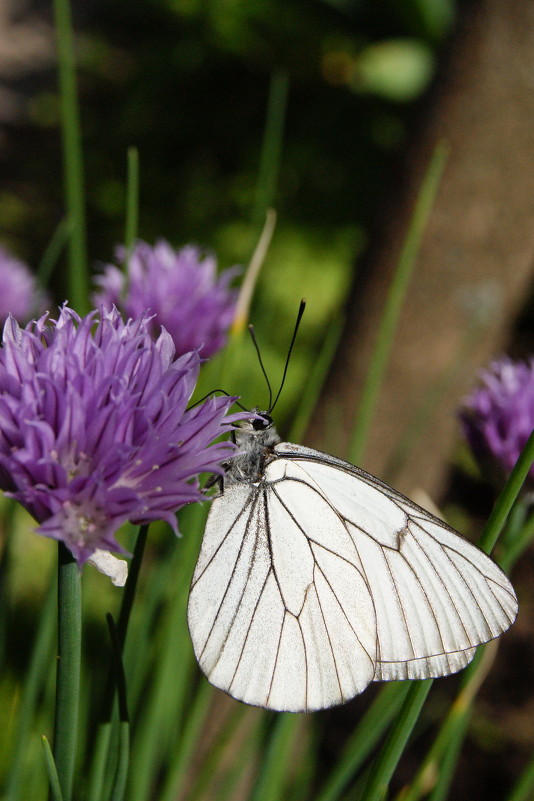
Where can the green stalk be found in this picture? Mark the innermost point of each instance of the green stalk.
(492, 530)
(277, 759)
(507, 498)
(368, 732)
(55, 787)
(450, 759)
(387, 760)
(53, 252)
(395, 299)
(271, 146)
(515, 547)
(34, 680)
(191, 733)
(78, 280)
(452, 728)
(167, 699)
(315, 383)
(68, 668)
(121, 773)
(523, 790)
(132, 200)
(7, 530)
(104, 731)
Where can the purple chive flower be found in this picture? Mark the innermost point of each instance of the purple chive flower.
(179, 287)
(94, 428)
(498, 417)
(19, 294)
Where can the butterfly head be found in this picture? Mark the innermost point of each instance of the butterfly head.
(256, 434)
(262, 422)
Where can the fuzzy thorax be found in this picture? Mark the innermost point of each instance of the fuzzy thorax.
(255, 440)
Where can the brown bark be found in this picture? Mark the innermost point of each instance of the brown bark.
(477, 253)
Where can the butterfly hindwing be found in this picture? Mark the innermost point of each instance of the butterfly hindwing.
(436, 595)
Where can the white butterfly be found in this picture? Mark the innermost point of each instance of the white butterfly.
(315, 579)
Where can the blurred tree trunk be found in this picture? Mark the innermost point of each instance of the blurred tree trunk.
(475, 265)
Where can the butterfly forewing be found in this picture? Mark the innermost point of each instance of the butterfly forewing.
(317, 579)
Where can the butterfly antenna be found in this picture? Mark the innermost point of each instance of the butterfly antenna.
(253, 336)
(293, 338)
(209, 394)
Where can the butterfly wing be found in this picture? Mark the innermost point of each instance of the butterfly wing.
(321, 579)
(267, 624)
(436, 596)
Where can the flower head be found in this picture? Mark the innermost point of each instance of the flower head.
(179, 288)
(498, 417)
(19, 294)
(94, 428)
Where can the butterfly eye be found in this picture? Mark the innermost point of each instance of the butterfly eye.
(262, 423)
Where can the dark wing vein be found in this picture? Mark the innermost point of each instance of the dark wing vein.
(342, 520)
(251, 621)
(465, 583)
(328, 633)
(319, 568)
(306, 672)
(277, 654)
(421, 658)
(442, 583)
(230, 582)
(393, 581)
(397, 498)
(250, 501)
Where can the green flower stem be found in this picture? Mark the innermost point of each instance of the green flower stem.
(53, 252)
(55, 787)
(477, 670)
(132, 200)
(278, 758)
(507, 498)
(395, 299)
(191, 733)
(104, 731)
(387, 760)
(123, 760)
(369, 731)
(78, 280)
(450, 760)
(68, 668)
(271, 146)
(41, 657)
(453, 725)
(523, 790)
(516, 547)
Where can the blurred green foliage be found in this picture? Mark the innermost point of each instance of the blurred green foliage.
(187, 83)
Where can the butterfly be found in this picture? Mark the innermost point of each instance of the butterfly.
(314, 579)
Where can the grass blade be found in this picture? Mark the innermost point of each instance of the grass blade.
(277, 760)
(78, 281)
(387, 761)
(33, 684)
(395, 299)
(53, 252)
(68, 668)
(368, 732)
(507, 498)
(524, 788)
(55, 787)
(195, 719)
(132, 200)
(271, 145)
